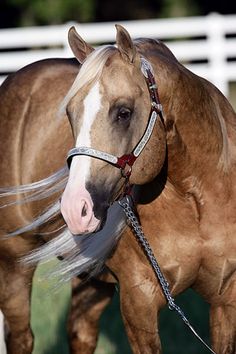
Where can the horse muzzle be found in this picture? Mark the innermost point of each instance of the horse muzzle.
(78, 211)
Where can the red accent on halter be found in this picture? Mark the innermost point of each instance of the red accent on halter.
(123, 161)
(153, 91)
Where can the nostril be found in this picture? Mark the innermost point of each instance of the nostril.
(84, 210)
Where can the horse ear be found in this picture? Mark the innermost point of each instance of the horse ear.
(79, 47)
(125, 44)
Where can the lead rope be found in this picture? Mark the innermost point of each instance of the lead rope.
(126, 204)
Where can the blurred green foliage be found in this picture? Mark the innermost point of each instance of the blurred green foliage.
(180, 8)
(53, 12)
(15, 13)
(43, 12)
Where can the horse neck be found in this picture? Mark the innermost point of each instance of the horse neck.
(200, 125)
(197, 141)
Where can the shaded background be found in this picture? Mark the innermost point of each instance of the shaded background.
(14, 13)
(50, 307)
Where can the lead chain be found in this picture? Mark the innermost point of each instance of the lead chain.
(138, 232)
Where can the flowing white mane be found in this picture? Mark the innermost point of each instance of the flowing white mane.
(81, 253)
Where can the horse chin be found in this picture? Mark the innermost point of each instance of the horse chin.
(92, 229)
(95, 225)
(78, 229)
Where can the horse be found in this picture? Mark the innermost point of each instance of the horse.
(188, 164)
(184, 173)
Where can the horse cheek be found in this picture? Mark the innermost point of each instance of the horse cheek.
(149, 164)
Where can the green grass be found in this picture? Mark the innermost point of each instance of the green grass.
(49, 311)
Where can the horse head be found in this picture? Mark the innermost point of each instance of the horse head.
(109, 108)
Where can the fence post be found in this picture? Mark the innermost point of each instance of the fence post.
(217, 58)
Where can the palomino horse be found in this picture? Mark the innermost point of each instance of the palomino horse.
(184, 170)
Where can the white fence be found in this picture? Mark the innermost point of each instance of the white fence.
(206, 45)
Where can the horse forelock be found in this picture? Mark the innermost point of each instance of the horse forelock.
(90, 71)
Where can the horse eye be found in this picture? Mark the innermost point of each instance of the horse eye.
(124, 114)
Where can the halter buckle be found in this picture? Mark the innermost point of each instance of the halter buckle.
(126, 171)
(157, 106)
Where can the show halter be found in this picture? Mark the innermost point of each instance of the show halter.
(128, 159)
(126, 202)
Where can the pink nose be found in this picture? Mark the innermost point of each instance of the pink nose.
(77, 211)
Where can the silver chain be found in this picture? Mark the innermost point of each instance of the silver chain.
(126, 203)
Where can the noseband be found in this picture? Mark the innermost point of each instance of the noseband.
(125, 162)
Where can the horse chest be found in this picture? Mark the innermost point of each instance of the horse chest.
(177, 250)
(191, 251)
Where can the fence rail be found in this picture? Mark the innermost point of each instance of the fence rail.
(206, 45)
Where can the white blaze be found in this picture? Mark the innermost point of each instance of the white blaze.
(76, 199)
(80, 167)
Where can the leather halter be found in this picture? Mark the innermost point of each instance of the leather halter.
(125, 162)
